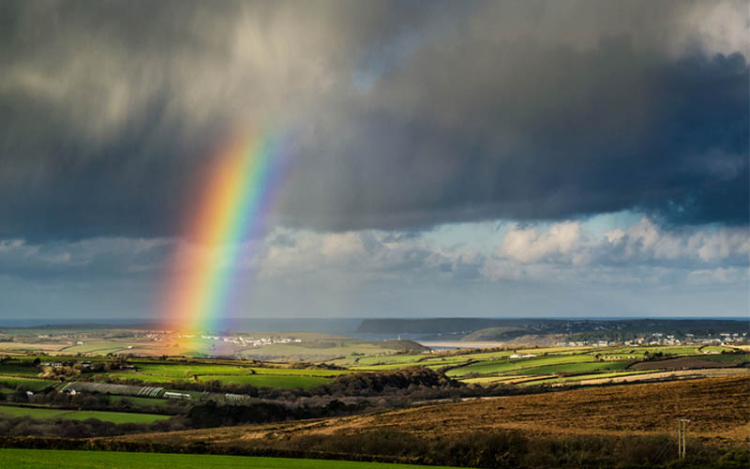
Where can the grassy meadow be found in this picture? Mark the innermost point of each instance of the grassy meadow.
(29, 383)
(276, 377)
(56, 459)
(43, 413)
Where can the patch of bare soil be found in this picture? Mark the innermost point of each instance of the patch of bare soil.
(681, 363)
(662, 376)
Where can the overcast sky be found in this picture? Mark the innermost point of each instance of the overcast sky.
(535, 158)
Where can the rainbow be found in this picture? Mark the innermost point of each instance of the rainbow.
(231, 207)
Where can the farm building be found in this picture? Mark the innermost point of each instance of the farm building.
(177, 395)
(116, 389)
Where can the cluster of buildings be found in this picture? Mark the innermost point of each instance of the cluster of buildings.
(86, 365)
(248, 342)
(658, 338)
(588, 343)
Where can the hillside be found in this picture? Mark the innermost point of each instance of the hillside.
(719, 410)
(498, 334)
(441, 325)
(577, 329)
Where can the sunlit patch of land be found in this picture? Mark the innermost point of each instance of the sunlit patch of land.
(49, 459)
(147, 343)
(290, 392)
(48, 413)
(719, 409)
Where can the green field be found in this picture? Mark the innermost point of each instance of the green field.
(179, 370)
(48, 413)
(320, 372)
(716, 348)
(508, 365)
(18, 369)
(146, 378)
(55, 459)
(275, 381)
(229, 374)
(588, 367)
(488, 367)
(32, 384)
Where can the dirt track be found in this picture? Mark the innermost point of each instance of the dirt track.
(719, 410)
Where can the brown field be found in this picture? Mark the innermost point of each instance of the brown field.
(10, 347)
(719, 410)
(680, 363)
(663, 376)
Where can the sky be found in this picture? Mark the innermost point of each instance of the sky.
(506, 159)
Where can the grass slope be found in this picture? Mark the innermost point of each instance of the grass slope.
(49, 459)
(230, 374)
(32, 384)
(49, 413)
(717, 407)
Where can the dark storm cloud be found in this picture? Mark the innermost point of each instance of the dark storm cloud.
(96, 259)
(405, 114)
(542, 134)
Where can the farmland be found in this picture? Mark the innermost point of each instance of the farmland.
(55, 459)
(31, 384)
(719, 410)
(189, 354)
(363, 399)
(62, 414)
(554, 364)
(14, 374)
(527, 365)
(279, 377)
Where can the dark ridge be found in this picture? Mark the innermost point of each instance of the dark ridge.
(548, 326)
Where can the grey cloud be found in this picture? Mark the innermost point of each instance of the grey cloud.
(95, 259)
(365, 254)
(523, 132)
(467, 111)
(371, 261)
